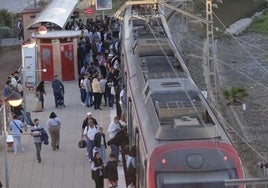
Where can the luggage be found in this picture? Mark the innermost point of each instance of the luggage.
(38, 106)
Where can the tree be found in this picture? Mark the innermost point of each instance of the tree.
(5, 18)
(235, 95)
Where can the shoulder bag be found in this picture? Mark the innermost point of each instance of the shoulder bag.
(17, 127)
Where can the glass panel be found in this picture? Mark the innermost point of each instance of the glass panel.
(193, 180)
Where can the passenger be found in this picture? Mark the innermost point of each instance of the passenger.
(113, 128)
(85, 122)
(97, 170)
(87, 84)
(131, 167)
(96, 90)
(40, 92)
(123, 104)
(82, 89)
(111, 171)
(15, 126)
(36, 132)
(103, 84)
(58, 91)
(100, 144)
(89, 134)
(54, 125)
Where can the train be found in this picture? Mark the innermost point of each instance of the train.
(180, 142)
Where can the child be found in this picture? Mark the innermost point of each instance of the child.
(111, 171)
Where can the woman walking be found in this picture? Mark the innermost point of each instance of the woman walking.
(97, 170)
(15, 126)
(54, 125)
(40, 92)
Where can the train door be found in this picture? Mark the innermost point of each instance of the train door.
(138, 159)
(141, 162)
(130, 123)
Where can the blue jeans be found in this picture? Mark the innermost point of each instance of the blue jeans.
(88, 98)
(90, 146)
(83, 95)
(110, 100)
(41, 98)
(115, 150)
(16, 143)
(102, 151)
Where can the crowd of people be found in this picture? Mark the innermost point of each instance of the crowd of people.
(99, 62)
(100, 84)
(96, 145)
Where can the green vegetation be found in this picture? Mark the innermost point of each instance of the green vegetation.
(5, 18)
(235, 95)
(260, 24)
(8, 22)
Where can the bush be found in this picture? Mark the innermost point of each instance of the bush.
(261, 24)
(6, 32)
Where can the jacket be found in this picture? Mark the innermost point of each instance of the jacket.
(57, 86)
(95, 86)
(44, 135)
(97, 139)
(120, 139)
(111, 170)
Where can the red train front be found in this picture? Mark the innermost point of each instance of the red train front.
(203, 164)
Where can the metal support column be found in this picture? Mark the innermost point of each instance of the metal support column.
(210, 70)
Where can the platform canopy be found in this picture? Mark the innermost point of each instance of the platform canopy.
(56, 12)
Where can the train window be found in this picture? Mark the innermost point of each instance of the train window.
(193, 180)
(146, 92)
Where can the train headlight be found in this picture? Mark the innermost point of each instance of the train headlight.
(163, 161)
(225, 158)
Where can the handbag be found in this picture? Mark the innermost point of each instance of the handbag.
(17, 127)
(82, 143)
(112, 90)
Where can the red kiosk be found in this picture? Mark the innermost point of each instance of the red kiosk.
(57, 54)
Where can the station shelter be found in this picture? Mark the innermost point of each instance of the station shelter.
(56, 50)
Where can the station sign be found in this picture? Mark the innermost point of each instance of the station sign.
(89, 11)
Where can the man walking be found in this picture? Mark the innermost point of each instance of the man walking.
(20, 30)
(58, 91)
(36, 133)
(89, 133)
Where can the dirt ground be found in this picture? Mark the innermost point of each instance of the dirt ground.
(10, 61)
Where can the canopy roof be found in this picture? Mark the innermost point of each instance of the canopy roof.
(56, 12)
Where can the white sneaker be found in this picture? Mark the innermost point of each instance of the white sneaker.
(83, 103)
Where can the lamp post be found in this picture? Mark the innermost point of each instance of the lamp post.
(24, 93)
(14, 100)
(32, 43)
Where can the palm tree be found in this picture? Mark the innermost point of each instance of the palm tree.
(235, 94)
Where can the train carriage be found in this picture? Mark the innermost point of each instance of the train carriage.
(179, 141)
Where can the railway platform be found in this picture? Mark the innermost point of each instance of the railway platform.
(67, 167)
